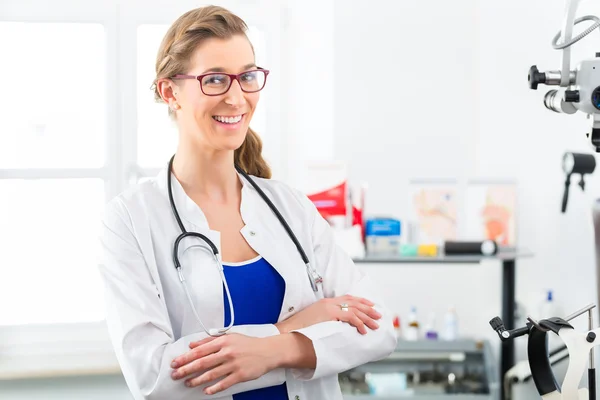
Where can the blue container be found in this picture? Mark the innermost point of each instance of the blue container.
(383, 236)
(383, 227)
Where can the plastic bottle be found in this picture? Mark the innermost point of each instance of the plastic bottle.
(430, 332)
(548, 309)
(397, 327)
(450, 325)
(412, 330)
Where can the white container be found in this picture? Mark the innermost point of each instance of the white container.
(412, 331)
(450, 331)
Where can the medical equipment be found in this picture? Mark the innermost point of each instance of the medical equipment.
(576, 163)
(580, 89)
(579, 344)
(313, 276)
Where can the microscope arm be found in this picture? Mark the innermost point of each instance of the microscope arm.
(567, 34)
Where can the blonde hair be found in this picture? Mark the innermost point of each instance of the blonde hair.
(174, 56)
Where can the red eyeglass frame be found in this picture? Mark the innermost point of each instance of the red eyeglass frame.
(232, 77)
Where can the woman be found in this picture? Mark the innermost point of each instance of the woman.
(294, 328)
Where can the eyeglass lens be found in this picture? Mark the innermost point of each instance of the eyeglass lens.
(251, 81)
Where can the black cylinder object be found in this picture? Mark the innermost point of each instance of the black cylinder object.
(485, 247)
(579, 163)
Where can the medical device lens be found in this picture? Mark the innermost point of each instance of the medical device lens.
(596, 98)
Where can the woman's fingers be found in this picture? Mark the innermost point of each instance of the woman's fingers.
(351, 318)
(225, 384)
(210, 375)
(193, 345)
(202, 350)
(370, 311)
(364, 301)
(347, 298)
(198, 365)
(368, 321)
(361, 304)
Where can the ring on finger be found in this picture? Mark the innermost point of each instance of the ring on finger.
(344, 306)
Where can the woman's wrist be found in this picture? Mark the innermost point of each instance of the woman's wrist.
(294, 351)
(282, 327)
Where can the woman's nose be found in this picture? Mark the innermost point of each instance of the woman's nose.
(235, 95)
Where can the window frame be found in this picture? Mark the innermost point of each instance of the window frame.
(42, 350)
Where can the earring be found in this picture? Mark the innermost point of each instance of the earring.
(175, 107)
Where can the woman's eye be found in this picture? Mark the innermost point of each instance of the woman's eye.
(249, 76)
(215, 80)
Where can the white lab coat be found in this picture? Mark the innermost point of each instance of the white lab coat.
(149, 318)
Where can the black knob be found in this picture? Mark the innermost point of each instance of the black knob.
(497, 324)
(572, 96)
(591, 336)
(535, 77)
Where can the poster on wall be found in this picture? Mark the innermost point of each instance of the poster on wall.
(434, 208)
(490, 212)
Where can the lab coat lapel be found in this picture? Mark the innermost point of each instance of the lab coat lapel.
(262, 233)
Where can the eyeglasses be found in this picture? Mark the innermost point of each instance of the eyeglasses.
(218, 83)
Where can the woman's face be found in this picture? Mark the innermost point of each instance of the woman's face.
(219, 122)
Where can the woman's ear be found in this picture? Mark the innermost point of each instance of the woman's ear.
(168, 92)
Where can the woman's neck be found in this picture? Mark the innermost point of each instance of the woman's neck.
(209, 175)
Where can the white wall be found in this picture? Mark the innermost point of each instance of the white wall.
(449, 99)
(307, 84)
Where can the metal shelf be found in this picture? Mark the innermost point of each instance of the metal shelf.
(508, 254)
(420, 397)
(463, 344)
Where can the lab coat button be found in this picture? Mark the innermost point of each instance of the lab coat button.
(297, 397)
(252, 233)
(291, 309)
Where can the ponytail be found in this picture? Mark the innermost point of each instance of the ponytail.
(249, 158)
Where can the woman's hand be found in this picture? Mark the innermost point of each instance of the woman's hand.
(360, 314)
(234, 357)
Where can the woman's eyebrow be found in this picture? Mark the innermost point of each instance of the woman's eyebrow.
(221, 69)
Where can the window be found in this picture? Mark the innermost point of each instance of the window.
(54, 129)
(55, 97)
(49, 238)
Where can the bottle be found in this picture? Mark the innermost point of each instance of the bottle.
(412, 330)
(450, 325)
(430, 332)
(547, 309)
(397, 327)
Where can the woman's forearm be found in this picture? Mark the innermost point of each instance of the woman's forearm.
(296, 350)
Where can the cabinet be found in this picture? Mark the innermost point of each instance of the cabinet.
(427, 370)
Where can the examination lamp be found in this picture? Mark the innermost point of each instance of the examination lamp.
(576, 163)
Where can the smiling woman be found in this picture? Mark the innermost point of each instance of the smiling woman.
(157, 133)
(206, 57)
(211, 242)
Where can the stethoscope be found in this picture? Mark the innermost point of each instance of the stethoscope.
(313, 276)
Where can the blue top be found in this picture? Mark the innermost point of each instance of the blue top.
(257, 291)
